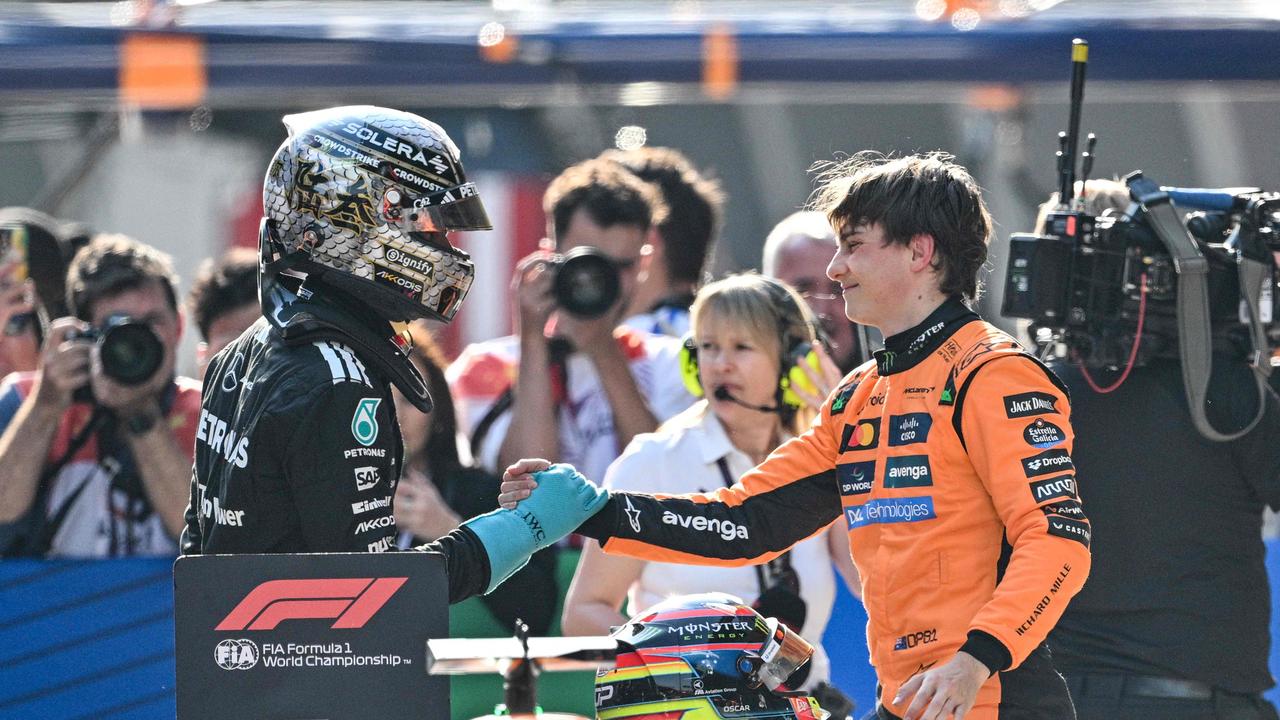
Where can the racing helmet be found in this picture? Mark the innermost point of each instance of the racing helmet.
(705, 657)
(361, 198)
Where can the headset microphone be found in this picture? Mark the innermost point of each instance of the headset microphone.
(722, 393)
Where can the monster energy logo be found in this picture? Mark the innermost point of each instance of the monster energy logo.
(364, 426)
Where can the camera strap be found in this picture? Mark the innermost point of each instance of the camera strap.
(1195, 343)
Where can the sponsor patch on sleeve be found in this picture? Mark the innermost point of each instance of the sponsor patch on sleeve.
(1029, 404)
(842, 398)
(1062, 527)
(856, 478)
(1043, 434)
(1066, 508)
(1047, 463)
(1054, 489)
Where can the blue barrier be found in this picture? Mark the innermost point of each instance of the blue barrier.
(94, 639)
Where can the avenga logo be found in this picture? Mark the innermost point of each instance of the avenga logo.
(364, 424)
(236, 654)
(727, 529)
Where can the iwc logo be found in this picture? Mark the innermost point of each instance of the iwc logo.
(364, 426)
(236, 654)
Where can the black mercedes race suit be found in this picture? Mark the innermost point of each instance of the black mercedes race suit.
(298, 449)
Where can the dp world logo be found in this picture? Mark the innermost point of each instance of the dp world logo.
(236, 654)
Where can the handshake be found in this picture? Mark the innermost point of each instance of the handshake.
(540, 503)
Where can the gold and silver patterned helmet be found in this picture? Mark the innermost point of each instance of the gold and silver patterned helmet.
(361, 198)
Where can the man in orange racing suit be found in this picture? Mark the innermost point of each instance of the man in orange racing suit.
(948, 458)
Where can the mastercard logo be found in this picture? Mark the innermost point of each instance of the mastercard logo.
(862, 435)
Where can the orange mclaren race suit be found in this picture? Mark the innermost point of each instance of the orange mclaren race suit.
(948, 459)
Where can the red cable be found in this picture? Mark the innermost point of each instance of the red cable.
(1133, 351)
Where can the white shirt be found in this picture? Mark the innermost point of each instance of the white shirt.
(485, 370)
(681, 458)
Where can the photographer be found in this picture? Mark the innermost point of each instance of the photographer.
(95, 466)
(1173, 623)
(567, 386)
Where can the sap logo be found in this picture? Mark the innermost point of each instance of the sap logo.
(375, 523)
(1054, 488)
(364, 506)
(727, 529)
(909, 471)
(856, 478)
(1043, 434)
(222, 440)
(1049, 461)
(1030, 403)
(890, 510)
(366, 478)
(911, 640)
(383, 544)
(909, 429)
(863, 435)
(1070, 529)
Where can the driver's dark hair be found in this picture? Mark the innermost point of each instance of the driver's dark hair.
(111, 264)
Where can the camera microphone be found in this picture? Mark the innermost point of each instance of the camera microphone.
(722, 393)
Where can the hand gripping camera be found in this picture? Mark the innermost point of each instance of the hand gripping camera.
(1175, 272)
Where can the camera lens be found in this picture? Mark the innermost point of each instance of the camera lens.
(587, 283)
(131, 353)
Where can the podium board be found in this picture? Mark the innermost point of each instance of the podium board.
(310, 637)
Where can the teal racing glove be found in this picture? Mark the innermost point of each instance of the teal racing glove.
(563, 500)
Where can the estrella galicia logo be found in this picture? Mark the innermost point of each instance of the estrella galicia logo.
(1043, 434)
(842, 398)
(862, 435)
(909, 471)
(890, 510)
(364, 425)
(1054, 489)
(1029, 403)
(909, 429)
(856, 478)
(1049, 461)
(236, 654)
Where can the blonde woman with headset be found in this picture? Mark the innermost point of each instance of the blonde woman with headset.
(750, 335)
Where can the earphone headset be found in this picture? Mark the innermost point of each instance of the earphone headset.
(795, 349)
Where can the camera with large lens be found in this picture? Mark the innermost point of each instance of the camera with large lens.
(130, 351)
(587, 282)
(1179, 273)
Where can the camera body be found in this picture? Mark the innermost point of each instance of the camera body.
(587, 282)
(130, 351)
(1090, 282)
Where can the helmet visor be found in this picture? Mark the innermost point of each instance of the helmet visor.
(783, 653)
(457, 208)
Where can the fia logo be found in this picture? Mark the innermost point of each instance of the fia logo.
(364, 425)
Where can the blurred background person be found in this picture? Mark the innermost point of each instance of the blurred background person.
(797, 252)
(223, 301)
(747, 332)
(32, 283)
(95, 465)
(681, 245)
(440, 487)
(574, 388)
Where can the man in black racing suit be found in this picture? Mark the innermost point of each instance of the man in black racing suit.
(298, 447)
